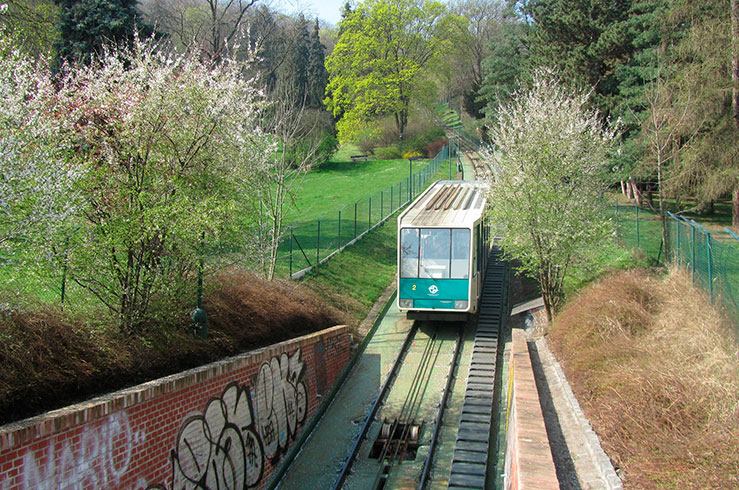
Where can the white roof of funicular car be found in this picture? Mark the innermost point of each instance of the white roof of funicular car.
(447, 203)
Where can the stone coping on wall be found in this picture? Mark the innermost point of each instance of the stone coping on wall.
(534, 465)
(55, 421)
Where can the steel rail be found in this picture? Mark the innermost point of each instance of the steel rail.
(415, 396)
(440, 415)
(375, 406)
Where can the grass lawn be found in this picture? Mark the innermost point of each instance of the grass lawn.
(341, 201)
(354, 279)
(341, 182)
(718, 220)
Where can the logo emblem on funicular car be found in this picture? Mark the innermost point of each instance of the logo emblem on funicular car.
(433, 289)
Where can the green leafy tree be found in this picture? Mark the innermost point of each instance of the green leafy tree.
(546, 192)
(380, 62)
(702, 81)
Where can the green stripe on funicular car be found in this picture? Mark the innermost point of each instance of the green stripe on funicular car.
(434, 290)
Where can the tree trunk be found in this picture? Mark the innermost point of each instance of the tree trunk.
(705, 207)
(635, 192)
(662, 210)
(735, 209)
(735, 60)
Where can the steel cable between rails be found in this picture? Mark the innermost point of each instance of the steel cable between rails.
(421, 379)
(425, 474)
(375, 406)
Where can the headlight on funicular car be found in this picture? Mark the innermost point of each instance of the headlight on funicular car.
(406, 303)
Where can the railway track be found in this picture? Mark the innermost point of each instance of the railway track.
(397, 445)
(417, 410)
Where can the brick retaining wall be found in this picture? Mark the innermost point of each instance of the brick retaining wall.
(223, 425)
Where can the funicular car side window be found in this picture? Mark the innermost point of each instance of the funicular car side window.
(460, 254)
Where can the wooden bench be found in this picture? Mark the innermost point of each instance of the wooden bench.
(359, 157)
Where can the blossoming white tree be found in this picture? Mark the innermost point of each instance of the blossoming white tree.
(170, 147)
(35, 181)
(547, 185)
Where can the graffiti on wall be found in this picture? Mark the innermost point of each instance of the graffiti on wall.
(226, 446)
(281, 401)
(100, 460)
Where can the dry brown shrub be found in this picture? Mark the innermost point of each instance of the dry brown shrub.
(656, 371)
(50, 359)
(250, 311)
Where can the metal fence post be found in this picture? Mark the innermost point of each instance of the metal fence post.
(709, 253)
(709, 258)
(677, 240)
(339, 232)
(637, 227)
(410, 180)
(382, 205)
(369, 214)
(291, 253)
(318, 244)
(355, 219)
(677, 236)
(692, 234)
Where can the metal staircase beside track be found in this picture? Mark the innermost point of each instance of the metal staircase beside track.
(470, 461)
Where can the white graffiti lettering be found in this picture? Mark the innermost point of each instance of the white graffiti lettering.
(100, 460)
(281, 401)
(225, 447)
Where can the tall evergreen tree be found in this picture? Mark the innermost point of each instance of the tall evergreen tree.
(317, 74)
(267, 43)
(506, 64)
(584, 40)
(299, 57)
(86, 25)
(35, 21)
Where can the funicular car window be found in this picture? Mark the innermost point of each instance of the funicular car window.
(460, 254)
(435, 253)
(409, 252)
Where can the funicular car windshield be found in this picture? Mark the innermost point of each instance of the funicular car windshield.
(436, 253)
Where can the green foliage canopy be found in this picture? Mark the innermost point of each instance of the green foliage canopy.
(378, 65)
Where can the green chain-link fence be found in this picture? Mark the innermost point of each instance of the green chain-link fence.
(309, 243)
(711, 256)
